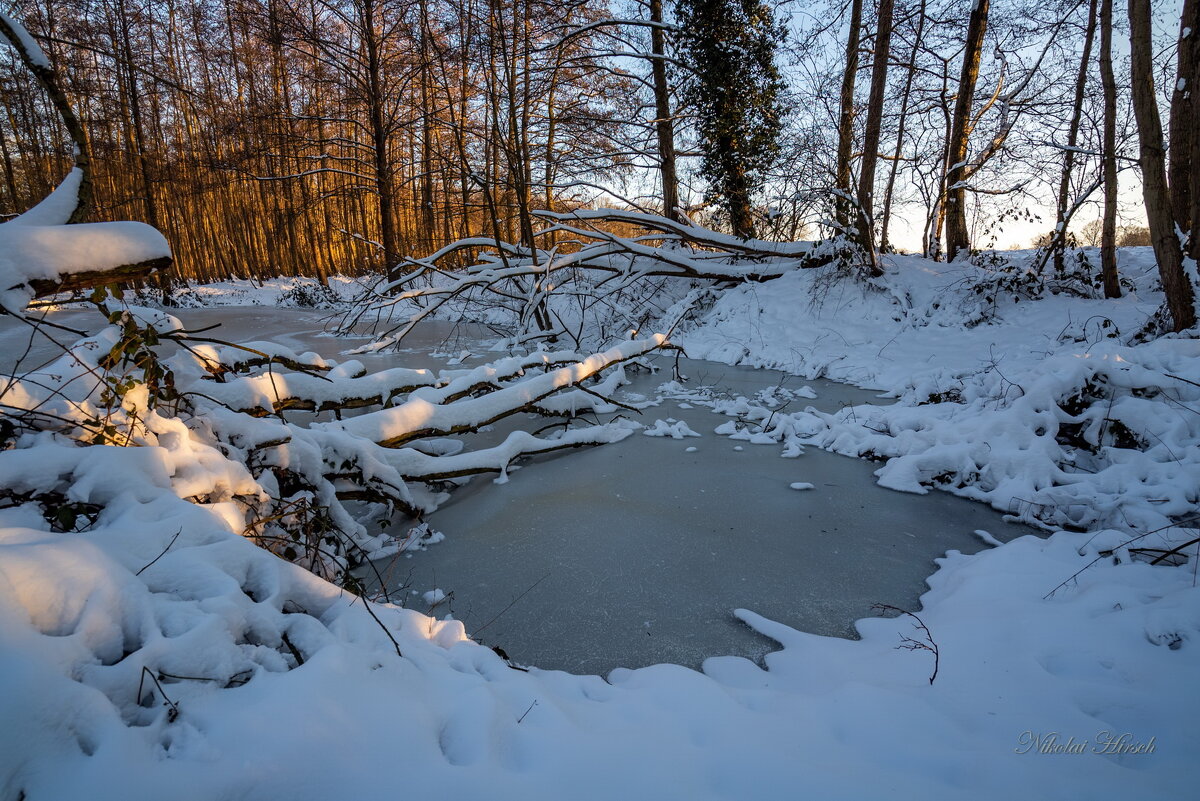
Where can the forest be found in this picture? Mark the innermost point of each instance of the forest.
(313, 138)
(707, 399)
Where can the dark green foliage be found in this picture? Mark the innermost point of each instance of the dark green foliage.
(734, 86)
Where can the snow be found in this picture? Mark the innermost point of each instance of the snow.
(676, 429)
(1038, 408)
(32, 49)
(37, 245)
(79, 626)
(422, 413)
(57, 207)
(162, 654)
(988, 538)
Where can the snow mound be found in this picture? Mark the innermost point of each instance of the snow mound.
(675, 429)
(1044, 409)
(158, 649)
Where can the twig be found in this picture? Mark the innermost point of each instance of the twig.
(375, 617)
(173, 714)
(1174, 551)
(908, 643)
(1184, 380)
(291, 647)
(161, 555)
(510, 606)
(1106, 554)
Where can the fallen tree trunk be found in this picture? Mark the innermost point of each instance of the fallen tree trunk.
(595, 269)
(88, 279)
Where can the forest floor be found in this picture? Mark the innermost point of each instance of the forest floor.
(1059, 666)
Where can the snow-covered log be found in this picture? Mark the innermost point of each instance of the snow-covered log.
(418, 417)
(211, 436)
(41, 255)
(43, 252)
(689, 232)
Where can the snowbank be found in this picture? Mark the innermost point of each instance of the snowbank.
(1034, 406)
(38, 246)
(258, 679)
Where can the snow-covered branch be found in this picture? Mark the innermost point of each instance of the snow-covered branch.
(39, 254)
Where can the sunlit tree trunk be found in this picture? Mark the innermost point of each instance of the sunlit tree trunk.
(845, 132)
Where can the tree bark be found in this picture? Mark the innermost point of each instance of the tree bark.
(1182, 122)
(664, 125)
(86, 279)
(845, 149)
(957, 237)
(1108, 236)
(866, 176)
(1157, 195)
(376, 99)
(1189, 72)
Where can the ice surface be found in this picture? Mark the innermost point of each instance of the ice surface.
(600, 542)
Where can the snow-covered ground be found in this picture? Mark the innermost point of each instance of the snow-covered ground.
(159, 654)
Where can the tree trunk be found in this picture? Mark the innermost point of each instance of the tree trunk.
(845, 149)
(866, 176)
(1189, 72)
(426, 217)
(905, 96)
(1108, 236)
(957, 238)
(376, 100)
(1183, 121)
(664, 124)
(738, 195)
(1064, 184)
(1159, 214)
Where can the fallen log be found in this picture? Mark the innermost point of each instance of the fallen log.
(88, 279)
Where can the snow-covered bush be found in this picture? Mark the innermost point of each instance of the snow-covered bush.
(306, 294)
(1006, 278)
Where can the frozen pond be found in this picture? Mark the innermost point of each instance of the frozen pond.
(636, 553)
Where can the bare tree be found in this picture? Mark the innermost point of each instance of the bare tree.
(1064, 207)
(1155, 191)
(845, 130)
(866, 177)
(957, 238)
(1108, 243)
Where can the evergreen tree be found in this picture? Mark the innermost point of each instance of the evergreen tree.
(729, 46)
